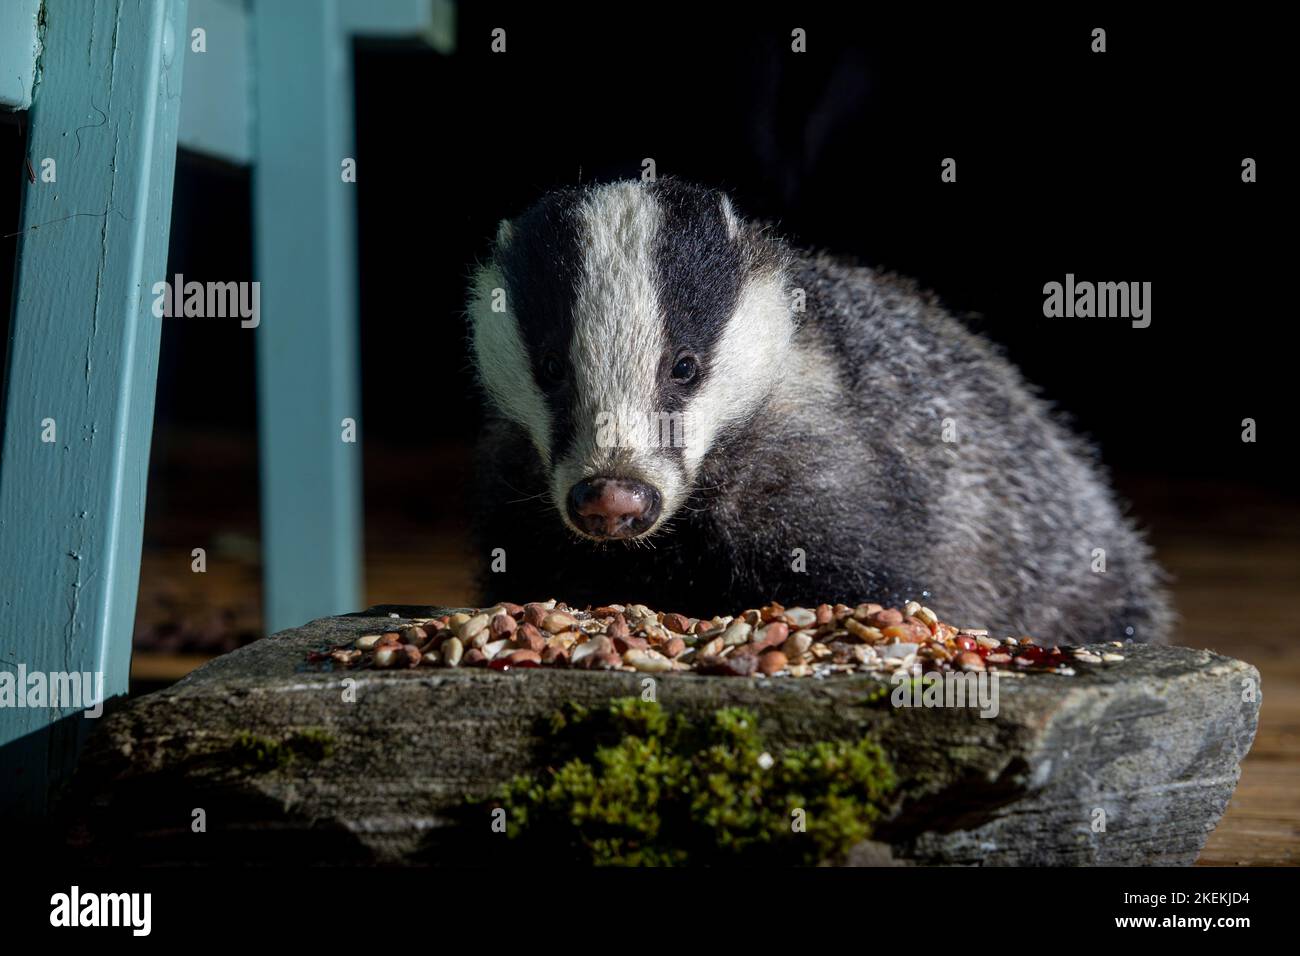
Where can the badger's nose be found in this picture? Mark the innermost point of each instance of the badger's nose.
(613, 507)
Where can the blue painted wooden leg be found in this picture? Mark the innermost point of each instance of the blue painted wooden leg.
(308, 365)
(20, 42)
(82, 363)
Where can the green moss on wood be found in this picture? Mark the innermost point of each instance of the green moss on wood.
(878, 695)
(635, 785)
(253, 752)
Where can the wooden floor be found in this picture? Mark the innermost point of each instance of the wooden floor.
(1234, 555)
(1238, 594)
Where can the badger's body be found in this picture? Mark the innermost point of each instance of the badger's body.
(868, 447)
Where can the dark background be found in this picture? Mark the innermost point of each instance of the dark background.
(1122, 166)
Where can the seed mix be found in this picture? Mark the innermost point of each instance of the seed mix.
(772, 641)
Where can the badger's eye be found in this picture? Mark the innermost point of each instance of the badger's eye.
(552, 368)
(686, 369)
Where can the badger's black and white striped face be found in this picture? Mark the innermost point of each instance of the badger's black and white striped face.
(625, 327)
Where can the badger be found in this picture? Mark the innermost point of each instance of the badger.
(833, 433)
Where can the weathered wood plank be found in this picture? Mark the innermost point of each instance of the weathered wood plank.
(82, 362)
(308, 362)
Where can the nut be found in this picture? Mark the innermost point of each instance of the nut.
(530, 637)
(591, 648)
(863, 632)
(555, 654)
(522, 657)
(796, 645)
(502, 625)
(468, 629)
(387, 656)
(737, 632)
(677, 623)
(800, 617)
(771, 635)
(650, 661)
(413, 635)
(557, 622)
(452, 650)
(631, 642)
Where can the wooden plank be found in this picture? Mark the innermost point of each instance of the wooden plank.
(20, 46)
(307, 351)
(216, 112)
(82, 363)
(433, 21)
(1241, 560)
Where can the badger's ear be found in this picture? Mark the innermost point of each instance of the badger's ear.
(730, 218)
(505, 232)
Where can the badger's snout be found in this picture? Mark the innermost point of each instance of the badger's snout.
(614, 507)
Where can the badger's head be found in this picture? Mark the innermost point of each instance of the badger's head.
(627, 328)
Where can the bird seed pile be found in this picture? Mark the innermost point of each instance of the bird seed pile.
(772, 641)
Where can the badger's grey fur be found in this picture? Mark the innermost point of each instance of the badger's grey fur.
(815, 467)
